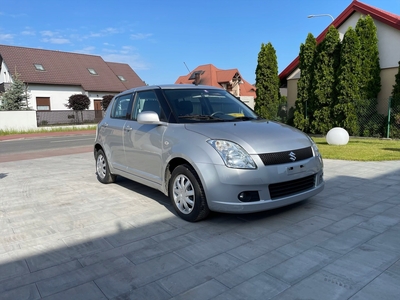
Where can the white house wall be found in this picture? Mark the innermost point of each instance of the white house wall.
(389, 56)
(59, 95)
(4, 74)
(388, 40)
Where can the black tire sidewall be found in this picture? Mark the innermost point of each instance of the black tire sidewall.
(108, 178)
(200, 208)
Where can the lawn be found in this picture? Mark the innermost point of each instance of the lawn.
(360, 149)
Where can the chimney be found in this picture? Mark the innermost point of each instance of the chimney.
(197, 78)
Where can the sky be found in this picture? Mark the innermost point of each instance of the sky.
(164, 39)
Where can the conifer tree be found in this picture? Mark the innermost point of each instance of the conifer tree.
(396, 91)
(348, 87)
(370, 80)
(395, 107)
(325, 79)
(267, 83)
(16, 97)
(304, 105)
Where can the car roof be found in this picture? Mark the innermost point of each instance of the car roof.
(168, 87)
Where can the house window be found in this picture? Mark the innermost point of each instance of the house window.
(42, 103)
(92, 71)
(122, 78)
(39, 67)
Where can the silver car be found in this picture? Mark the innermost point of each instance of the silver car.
(206, 150)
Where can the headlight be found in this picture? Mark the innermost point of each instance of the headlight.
(232, 154)
(315, 150)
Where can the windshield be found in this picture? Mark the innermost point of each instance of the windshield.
(207, 105)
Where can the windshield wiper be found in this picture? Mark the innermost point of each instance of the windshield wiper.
(201, 117)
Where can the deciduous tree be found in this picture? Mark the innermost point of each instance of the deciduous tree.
(106, 101)
(78, 102)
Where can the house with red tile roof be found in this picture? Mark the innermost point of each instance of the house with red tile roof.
(230, 80)
(53, 76)
(388, 32)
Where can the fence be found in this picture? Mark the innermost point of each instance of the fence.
(373, 124)
(68, 117)
(369, 123)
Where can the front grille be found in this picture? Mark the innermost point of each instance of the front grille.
(286, 156)
(283, 189)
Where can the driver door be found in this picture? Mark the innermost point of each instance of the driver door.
(143, 143)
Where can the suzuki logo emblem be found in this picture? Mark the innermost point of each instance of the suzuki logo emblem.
(292, 156)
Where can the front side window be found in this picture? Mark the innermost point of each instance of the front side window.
(147, 101)
(120, 107)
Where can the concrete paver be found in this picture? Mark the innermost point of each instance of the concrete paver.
(64, 235)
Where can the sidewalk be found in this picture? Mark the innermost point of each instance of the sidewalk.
(45, 134)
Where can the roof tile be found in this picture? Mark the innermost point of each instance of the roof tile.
(66, 68)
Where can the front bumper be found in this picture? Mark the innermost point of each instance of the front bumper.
(223, 185)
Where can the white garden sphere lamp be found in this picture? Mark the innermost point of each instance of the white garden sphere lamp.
(337, 136)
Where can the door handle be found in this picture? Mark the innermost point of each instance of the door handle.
(128, 128)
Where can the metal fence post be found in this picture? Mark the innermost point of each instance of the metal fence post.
(388, 126)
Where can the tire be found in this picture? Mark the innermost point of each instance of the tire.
(187, 194)
(102, 169)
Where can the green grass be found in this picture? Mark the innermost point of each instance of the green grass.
(48, 129)
(360, 149)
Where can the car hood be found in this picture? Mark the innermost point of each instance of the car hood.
(258, 136)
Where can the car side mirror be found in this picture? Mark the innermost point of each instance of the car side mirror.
(149, 117)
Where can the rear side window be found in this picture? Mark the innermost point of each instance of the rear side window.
(120, 107)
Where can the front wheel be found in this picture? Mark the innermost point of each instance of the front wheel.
(102, 169)
(187, 195)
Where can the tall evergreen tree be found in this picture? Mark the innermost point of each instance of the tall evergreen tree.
(304, 105)
(348, 87)
(395, 107)
(396, 91)
(370, 80)
(325, 79)
(16, 97)
(267, 83)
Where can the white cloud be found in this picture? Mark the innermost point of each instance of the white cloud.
(140, 36)
(133, 60)
(48, 33)
(28, 32)
(86, 50)
(6, 36)
(105, 32)
(53, 37)
(58, 41)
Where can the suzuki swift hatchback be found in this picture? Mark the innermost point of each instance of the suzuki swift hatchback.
(206, 150)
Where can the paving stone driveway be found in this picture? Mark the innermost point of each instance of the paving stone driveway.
(66, 236)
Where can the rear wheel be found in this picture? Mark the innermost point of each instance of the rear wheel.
(187, 195)
(102, 169)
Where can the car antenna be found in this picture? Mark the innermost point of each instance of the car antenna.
(186, 67)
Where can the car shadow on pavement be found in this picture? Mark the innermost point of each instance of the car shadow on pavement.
(160, 198)
(3, 175)
(118, 241)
